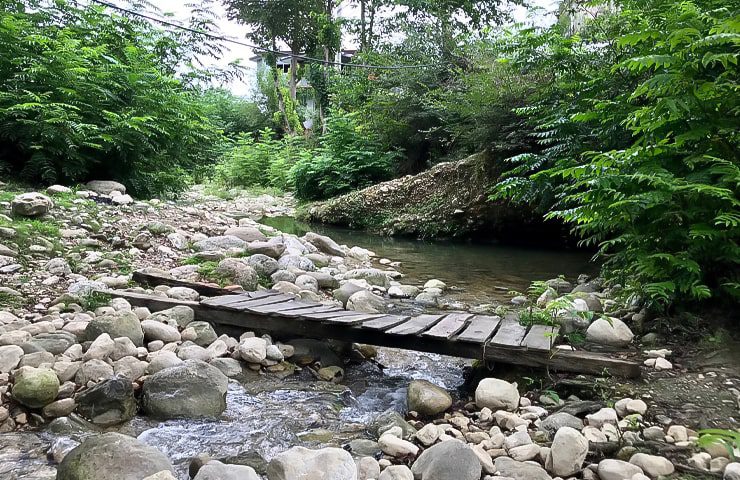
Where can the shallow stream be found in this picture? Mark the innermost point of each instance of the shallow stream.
(478, 272)
(266, 415)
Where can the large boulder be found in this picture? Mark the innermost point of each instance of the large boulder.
(35, 387)
(366, 301)
(31, 204)
(238, 271)
(273, 250)
(497, 394)
(215, 470)
(247, 234)
(373, 276)
(613, 332)
(390, 419)
(509, 468)
(154, 330)
(324, 244)
(216, 244)
(345, 291)
(10, 357)
(450, 460)
(262, 264)
(105, 187)
(112, 456)
(190, 389)
(108, 403)
(118, 324)
(568, 452)
(287, 262)
(611, 469)
(556, 421)
(302, 463)
(427, 398)
(204, 333)
(53, 342)
(654, 466)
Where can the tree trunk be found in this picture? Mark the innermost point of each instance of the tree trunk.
(279, 94)
(363, 31)
(293, 73)
(371, 26)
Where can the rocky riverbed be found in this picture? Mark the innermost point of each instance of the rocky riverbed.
(110, 390)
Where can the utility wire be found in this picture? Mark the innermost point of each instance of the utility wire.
(258, 48)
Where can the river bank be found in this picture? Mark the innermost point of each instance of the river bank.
(266, 412)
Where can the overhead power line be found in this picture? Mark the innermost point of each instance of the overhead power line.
(256, 47)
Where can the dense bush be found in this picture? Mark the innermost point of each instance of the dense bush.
(265, 161)
(87, 94)
(640, 134)
(348, 158)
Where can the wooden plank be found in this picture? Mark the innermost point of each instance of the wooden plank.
(564, 360)
(271, 308)
(299, 312)
(256, 302)
(385, 322)
(449, 325)
(154, 303)
(352, 319)
(328, 315)
(510, 333)
(225, 300)
(415, 325)
(480, 329)
(152, 280)
(540, 337)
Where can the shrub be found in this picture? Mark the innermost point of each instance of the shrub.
(660, 197)
(265, 161)
(348, 158)
(87, 94)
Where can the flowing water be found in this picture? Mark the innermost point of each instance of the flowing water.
(266, 415)
(478, 272)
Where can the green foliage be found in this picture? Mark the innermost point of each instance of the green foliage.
(94, 300)
(85, 93)
(730, 439)
(348, 158)
(639, 140)
(264, 162)
(235, 115)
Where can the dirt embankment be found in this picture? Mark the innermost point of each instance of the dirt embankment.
(449, 200)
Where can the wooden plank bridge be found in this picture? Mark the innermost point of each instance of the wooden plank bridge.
(455, 333)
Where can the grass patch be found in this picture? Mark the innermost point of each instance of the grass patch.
(28, 231)
(207, 271)
(95, 300)
(11, 301)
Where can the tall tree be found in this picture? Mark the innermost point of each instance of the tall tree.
(292, 22)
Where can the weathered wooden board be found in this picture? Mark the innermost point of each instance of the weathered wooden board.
(540, 337)
(274, 308)
(338, 313)
(152, 280)
(509, 334)
(415, 325)
(480, 329)
(352, 319)
(449, 325)
(301, 311)
(222, 301)
(256, 302)
(385, 322)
